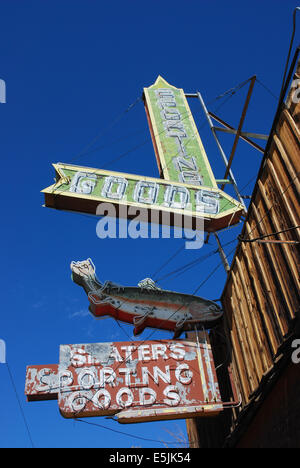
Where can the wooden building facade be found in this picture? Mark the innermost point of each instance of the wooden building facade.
(261, 302)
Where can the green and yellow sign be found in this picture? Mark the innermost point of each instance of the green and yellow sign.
(187, 186)
(83, 189)
(178, 147)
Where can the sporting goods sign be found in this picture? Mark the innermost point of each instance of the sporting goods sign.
(136, 381)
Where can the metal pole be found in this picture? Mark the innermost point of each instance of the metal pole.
(221, 151)
(222, 254)
(209, 369)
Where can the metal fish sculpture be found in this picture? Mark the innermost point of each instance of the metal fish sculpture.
(145, 305)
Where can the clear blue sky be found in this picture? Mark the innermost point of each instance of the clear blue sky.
(71, 68)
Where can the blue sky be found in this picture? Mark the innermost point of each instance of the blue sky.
(71, 68)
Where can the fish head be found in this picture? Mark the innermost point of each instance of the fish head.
(84, 269)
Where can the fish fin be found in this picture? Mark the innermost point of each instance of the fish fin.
(98, 312)
(177, 333)
(139, 329)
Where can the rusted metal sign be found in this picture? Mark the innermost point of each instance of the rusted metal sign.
(42, 382)
(136, 381)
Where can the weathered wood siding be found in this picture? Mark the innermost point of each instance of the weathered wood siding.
(261, 298)
(262, 295)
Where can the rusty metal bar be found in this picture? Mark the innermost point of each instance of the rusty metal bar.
(222, 254)
(243, 136)
(239, 130)
(237, 399)
(221, 151)
(259, 136)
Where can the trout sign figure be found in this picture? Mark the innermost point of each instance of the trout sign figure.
(145, 305)
(136, 381)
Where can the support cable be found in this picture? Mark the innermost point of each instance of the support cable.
(257, 239)
(267, 89)
(86, 150)
(106, 129)
(127, 434)
(20, 406)
(289, 52)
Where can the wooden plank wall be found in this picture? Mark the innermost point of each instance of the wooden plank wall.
(261, 297)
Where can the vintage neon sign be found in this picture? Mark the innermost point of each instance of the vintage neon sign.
(188, 186)
(145, 305)
(136, 381)
(85, 189)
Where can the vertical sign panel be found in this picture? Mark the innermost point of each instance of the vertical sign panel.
(178, 147)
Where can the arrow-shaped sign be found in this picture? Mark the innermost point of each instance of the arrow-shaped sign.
(85, 190)
(188, 187)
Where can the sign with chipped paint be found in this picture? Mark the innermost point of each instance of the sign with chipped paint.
(42, 382)
(89, 190)
(136, 381)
